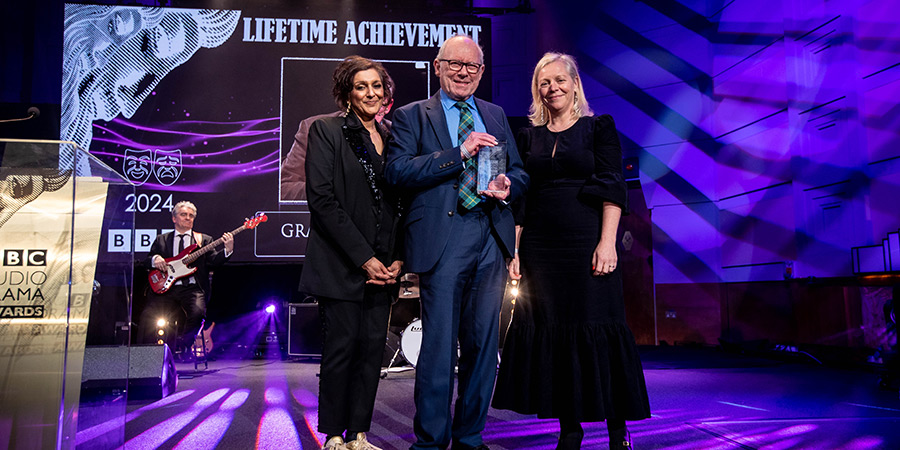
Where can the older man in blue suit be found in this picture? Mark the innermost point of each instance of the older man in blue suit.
(457, 240)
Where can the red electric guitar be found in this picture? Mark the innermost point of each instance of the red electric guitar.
(177, 266)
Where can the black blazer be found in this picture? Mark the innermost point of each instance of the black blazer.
(163, 246)
(344, 221)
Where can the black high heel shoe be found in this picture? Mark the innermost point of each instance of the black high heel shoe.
(619, 439)
(570, 441)
(570, 435)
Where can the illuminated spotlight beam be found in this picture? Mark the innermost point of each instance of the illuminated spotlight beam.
(673, 121)
(702, 25)
(676, 123)
(694, 199)
(98, 430)
(310, 403)
(534, 428)
(665, 176)
(276, 427)
(657, 54)
(795, 433)
(243, 330)
(769, 436)
(685, 16)
(873, 407)
(398, 417)
(688, 263)
(208, 434)
(163, 431)
(743, 406)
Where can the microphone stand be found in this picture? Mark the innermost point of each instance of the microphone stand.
(32, 113)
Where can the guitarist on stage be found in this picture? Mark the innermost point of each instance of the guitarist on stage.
(188, 292)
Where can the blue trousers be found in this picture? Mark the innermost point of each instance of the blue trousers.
(461, 300)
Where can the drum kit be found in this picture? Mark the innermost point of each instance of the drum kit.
(406, 311)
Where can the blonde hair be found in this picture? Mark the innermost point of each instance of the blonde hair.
(538, 114)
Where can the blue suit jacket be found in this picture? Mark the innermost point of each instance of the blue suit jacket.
(422, 161)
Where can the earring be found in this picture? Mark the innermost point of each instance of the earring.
(348, 108)
(542, 115)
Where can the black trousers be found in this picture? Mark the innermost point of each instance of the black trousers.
(354, 335)
(188, 297)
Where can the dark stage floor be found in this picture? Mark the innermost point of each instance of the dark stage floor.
(700, 398)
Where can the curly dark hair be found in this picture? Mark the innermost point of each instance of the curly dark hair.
(342, 80)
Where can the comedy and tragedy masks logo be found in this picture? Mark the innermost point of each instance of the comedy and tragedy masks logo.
(137, 165)
(164, 164)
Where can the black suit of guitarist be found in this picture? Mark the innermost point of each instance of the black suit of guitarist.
(188, 293)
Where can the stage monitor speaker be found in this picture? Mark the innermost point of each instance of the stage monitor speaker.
(149, 370)
(304, 330)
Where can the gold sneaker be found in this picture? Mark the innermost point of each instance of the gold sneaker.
(335, 443)
(361, 443)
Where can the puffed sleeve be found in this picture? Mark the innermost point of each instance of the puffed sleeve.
(523, 142)
(607, 184)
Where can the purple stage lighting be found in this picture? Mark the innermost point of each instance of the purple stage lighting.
(270, 309)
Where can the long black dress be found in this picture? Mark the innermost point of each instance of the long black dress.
(569, 351)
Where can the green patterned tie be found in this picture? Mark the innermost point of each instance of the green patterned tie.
(468, 178)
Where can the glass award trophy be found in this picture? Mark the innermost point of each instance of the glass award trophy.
(491, 162)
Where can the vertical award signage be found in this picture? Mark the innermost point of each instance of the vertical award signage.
(49, 237)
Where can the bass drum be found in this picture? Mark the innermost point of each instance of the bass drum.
(411, 341)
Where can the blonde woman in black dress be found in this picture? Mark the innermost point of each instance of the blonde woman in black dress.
(569, 353)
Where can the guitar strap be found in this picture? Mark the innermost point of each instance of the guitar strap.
(197, 240)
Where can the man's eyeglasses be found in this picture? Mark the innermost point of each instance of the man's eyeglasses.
(456, 66)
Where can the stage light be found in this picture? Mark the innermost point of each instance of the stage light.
(270, 309)
(161, 325)
(514, 288)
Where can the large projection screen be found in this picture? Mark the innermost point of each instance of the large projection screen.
(203, 105)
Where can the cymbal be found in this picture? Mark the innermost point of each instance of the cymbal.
(409, 285)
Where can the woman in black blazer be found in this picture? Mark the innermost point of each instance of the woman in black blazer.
(351, 258)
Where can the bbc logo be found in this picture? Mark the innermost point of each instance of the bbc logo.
(120, 240)
(29, 257)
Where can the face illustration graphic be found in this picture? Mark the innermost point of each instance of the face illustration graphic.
(16, 191)
(168, 166)
(114, 56)
(138, 165)
(136, 67)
